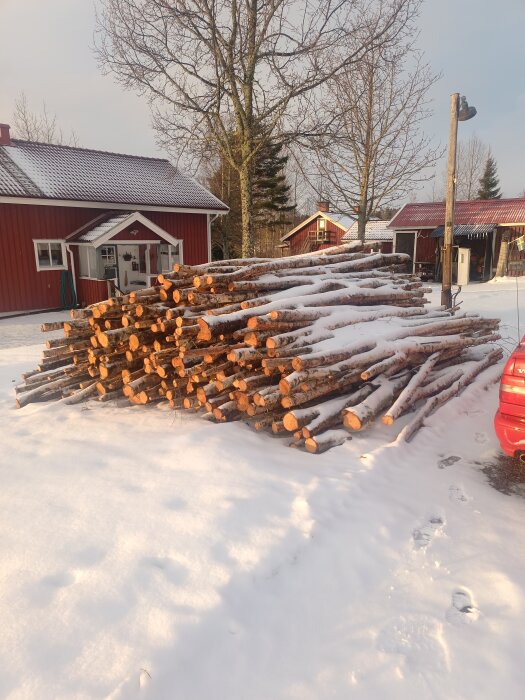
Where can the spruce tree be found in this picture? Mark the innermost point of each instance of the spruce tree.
(271, 196)
(489, 181)
(271, 192)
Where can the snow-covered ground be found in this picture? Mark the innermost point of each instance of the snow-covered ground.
(146, 554)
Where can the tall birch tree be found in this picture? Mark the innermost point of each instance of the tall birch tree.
(211, 68)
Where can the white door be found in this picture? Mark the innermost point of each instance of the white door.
(463, 266)
(129, 272)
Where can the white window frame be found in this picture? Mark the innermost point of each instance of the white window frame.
(88, 276)
(45, 268)
(179, 242)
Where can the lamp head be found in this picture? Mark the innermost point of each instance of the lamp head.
(465, 112)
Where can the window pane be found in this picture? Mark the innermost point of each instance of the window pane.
(164, 258)
(56, 254)
(175, 254)
(83, 260)
(43, 254)
(107, 253)
(92, 254)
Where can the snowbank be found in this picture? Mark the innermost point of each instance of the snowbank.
(151, 555)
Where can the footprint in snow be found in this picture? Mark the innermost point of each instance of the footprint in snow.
(423, 535)
(448, 461)
(456, 493)
(43, 592)
(481, 438)
(420, 639)
(463, 610)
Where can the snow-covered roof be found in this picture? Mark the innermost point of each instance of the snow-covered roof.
(49, 171)
(374, 231)
(104, 227)
(101, 229)
(343, 221)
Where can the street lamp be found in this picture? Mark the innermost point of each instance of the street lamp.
(457, 113)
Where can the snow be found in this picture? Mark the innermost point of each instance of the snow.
(151, 555)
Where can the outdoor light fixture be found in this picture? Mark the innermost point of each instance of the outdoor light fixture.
(134, 232)
(457, 113)
(465, 112)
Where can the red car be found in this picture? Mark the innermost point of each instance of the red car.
(509, 421)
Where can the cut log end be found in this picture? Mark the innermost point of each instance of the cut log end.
(351, 421)
(311, 445)
(290, 422)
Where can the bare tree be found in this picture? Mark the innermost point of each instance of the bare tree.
(38, 126)
(471, 158)
(375, 151)
(251, 67)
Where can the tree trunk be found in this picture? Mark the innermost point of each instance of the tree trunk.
(501, 268)
(246, 181)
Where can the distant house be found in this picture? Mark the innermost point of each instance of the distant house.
(480, 226)
(76, 223)
(321, 230)
(376, 231)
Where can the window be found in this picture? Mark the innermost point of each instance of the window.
(107, 253)
(88, 263)
(50, 255)
(169, 255)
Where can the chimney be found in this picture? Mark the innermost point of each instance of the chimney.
(324, 205)
(5, 139)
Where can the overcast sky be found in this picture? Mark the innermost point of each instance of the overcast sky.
(45, 51)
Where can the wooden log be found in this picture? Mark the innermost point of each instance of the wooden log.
(81, 395)
(467, 376)
(407, 394)
(359, 416)
(52, 326)
(325, 441)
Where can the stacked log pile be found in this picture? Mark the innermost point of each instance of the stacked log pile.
(314, 346)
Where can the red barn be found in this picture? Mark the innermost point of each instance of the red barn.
(76, 223)
(321, 230)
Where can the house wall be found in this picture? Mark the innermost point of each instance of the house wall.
(425, 247)
(23, 288)
(91, 291)
(191, 228)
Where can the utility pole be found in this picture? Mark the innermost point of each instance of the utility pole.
(448, 237)
(462, 114)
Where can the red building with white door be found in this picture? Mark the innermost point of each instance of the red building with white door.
(75, 223)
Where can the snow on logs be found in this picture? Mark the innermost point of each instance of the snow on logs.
(314, 346)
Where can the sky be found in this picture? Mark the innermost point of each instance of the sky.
(46, 52)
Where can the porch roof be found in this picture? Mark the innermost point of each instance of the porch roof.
(102, 229)
(474, 231)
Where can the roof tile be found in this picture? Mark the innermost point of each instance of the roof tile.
(64, 172)
(476, 211)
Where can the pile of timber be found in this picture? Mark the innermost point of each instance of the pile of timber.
(312, 346)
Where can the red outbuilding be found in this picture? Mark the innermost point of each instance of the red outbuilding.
(76, 223)
(481, 226)
(321, 230)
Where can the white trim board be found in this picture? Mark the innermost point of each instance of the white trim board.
(50, 268)
(133, 217)
(106, 205)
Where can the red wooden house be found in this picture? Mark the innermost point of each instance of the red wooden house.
(479, 225)
(75, 223)
(321, 230)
